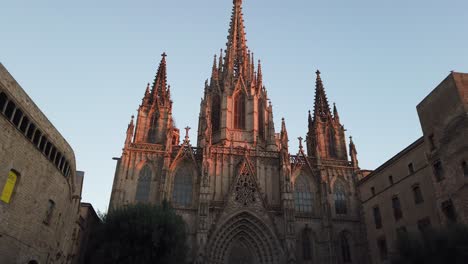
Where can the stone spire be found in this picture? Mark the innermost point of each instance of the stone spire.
(130, 129)
(353, 153)
(214, 70)
(336, 117)
(284, 135)
(259, 75)
(147, 98)
(321, 107)
(159, 90)
(325, 137)
(236, 59)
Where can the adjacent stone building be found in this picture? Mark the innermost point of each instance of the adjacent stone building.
(39, 200)
(443, 115)
(425, 185)
(243, 196)
(87, 223)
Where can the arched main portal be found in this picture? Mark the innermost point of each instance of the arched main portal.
(243, 239)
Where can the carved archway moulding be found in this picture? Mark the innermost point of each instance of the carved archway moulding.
(250, 230)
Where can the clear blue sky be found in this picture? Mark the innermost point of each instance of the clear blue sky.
(86, 65)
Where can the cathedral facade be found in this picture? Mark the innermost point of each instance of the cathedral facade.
(244, 197)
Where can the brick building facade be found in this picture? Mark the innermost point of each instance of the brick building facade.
(39, 199)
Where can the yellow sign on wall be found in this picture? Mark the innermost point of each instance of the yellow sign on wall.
(9, 187)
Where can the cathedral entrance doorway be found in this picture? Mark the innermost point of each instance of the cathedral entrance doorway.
(240, 253)
(244, 239)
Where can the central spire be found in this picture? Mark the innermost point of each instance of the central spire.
(236, 59)
(321, 108)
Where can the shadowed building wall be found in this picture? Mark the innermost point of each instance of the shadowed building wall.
(39, 199)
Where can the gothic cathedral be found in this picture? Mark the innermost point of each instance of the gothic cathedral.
(243, 196)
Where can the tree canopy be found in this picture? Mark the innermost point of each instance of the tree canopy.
(138, 234)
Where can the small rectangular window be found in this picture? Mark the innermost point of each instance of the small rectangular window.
(390, 179)
(64, 166)
(372, 189)
(410, 168)
(37, 139)
(383, 251)
(424, 224)
(3, 101)
(49, 212)
(31, 130)
(42, 144)
(10, 110)
(53, 151)
(449, 211)
(24, 124)
(17, 118)
(438, 170)
(417, 194)
(47, 149)
(397, 213)
(58, 160)
(377, 217)
(464, 168)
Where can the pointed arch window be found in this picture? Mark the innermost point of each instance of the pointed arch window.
(183, 185)
(332, 143)
(345, 248)
(143, 185)
(216, 113)
(152, 128)
(306, 244)
(340, 199)
(261, 119)
(239, 111)
(302, 195)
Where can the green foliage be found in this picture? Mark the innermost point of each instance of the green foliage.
(447, 245)
(139, 234)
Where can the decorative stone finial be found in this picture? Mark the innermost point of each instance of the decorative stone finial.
(300, 142)
(187, 128)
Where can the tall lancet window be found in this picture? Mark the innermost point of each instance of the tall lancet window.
(144, 185)
(152, 128)
(239, 111)
(261, 119)
(215, 113)
(302, 195)
(345, 247)
(331, 143)
(183, 185)
(339, 194)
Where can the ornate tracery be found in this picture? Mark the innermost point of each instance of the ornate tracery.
(339, 194)
(239, 111)
(302, 195)
(143, 185)
(183, 186)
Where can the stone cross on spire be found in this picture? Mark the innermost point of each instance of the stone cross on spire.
(187, 128)
(300, 142)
